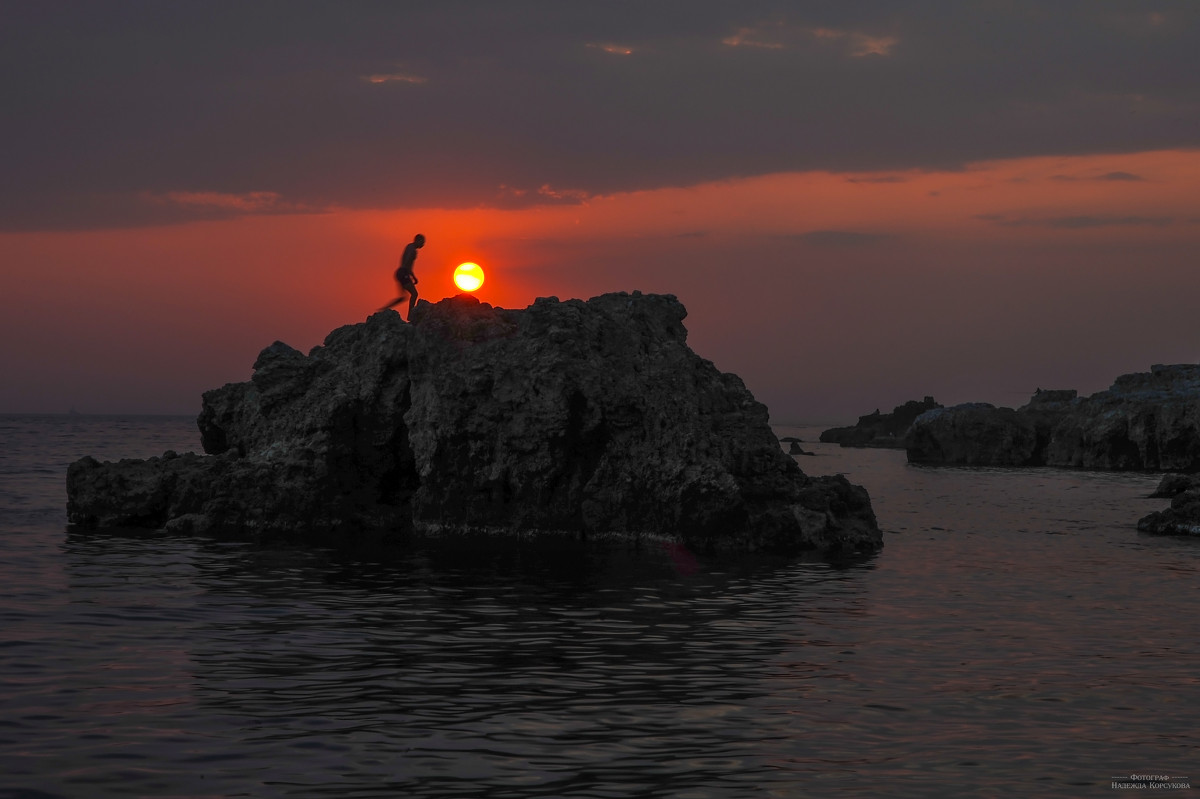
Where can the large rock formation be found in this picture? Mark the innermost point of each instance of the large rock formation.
(1145, 421)
(882, 430)
(589, 418)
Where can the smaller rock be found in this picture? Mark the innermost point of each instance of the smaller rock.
(796, 449)
(880, 430)
(1174, 484)
(1182, 518)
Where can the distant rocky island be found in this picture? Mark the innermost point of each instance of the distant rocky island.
(586, 419)
(885, 430)
(1145, 421)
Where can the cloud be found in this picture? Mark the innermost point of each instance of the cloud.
(1113, 176)
(610, 48)
(249, 201)
(780, 35)
(883, 179)
(761, 37)
(858, 44)
(515, 196)
(317, 106)
(564, 196)
(393, 77)
(220, 205)
(1078, 222)
(1071, 222)
(842, 238)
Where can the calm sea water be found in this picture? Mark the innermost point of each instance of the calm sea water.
(1016, 636)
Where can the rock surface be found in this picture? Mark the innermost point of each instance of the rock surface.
(882, 430)
(588, 418)
(972, 434)
(1145, 421)
(1183, 515)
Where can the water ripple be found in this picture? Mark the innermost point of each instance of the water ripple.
(1015, 637)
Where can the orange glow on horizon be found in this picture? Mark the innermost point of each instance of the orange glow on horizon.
(753, 259)
(1129, 196)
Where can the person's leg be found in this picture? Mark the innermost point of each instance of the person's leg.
(412, 301)
(403, 293)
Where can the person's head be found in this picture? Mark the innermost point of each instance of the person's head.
(419, 240)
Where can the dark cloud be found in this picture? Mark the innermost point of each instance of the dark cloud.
(1108, 221)
(1112, 176)
(1082, 221)
(842, 238)
(477, 103)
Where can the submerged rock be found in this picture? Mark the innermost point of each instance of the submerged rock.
(1147, 421)
(588, 418)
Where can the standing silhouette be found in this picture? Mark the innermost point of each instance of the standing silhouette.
(405, 279)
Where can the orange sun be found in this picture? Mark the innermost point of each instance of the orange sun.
(468, 276)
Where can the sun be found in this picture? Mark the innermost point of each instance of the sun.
(468, 276)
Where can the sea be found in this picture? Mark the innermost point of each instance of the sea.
(1015, 637)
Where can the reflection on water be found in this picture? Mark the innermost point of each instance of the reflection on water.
(1015, 636)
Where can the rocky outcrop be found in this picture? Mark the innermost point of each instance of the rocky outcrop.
(1172, 485)
(972, 434)
(883, 430)
(1145, 421)
(587, 418)
(1183, 516)
(1148, 420)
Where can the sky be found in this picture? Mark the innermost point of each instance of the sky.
(858, 203)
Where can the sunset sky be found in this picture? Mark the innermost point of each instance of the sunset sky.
(859, 203)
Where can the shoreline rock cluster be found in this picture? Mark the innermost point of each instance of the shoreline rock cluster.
(582, 418)
(880, 430)
(1146, 421)
(1183, 515)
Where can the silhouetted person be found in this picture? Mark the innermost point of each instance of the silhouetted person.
(405, 279)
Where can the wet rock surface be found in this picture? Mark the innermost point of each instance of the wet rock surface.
(585, 418)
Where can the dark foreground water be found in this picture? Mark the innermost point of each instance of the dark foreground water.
(1016, 637)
